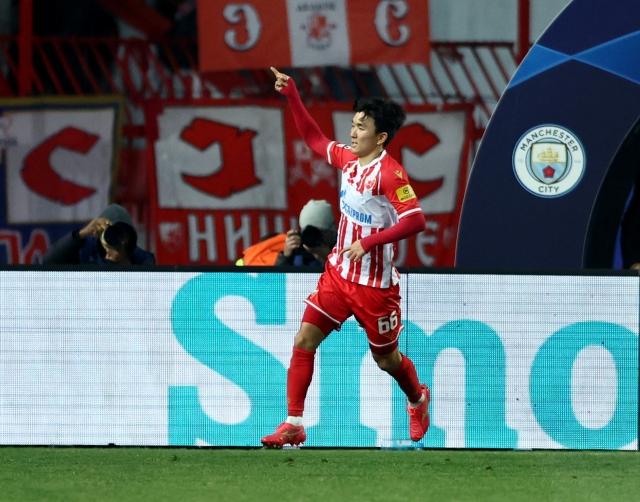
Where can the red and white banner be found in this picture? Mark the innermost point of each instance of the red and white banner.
(296, 33)
(223, 176)
(57, 161)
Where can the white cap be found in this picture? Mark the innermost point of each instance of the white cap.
(317, 213)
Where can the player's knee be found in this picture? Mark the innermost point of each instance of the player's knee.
(302, 342)
(384, 365)
(388, 362)
(308, 338)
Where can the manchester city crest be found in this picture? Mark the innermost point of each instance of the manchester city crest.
(549, 161)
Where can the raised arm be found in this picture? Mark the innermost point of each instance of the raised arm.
(65, 251)
(307, 127)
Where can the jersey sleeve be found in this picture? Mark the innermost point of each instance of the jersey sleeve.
(307, 127)
(406, 227)
(339, 155)
(395, 185)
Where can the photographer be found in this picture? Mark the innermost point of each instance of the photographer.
(311, 245)
(108, 239)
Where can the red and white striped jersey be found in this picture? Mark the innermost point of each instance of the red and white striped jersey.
(372, 198)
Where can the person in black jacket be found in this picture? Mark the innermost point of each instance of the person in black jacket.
(108, 239)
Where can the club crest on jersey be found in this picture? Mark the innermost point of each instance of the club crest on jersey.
(549, 161)
(370, 182)
(405, 193)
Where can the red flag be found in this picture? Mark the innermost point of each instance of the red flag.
(392, 32)
(233, 36)
(296, 33)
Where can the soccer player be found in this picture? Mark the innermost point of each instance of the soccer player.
(378, 208)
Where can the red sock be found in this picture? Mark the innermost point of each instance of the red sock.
(407, 379)
(298, 380)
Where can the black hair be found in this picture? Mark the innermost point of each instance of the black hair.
(388, 116)
(121, 235)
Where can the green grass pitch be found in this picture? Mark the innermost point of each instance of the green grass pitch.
(166, 474)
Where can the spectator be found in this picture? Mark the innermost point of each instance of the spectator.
(314, 242)
(264, 252)
(109, 238)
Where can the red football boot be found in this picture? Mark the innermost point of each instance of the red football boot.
(286, 433)
(419, 416)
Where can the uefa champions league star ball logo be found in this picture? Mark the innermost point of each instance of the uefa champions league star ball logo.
(549, 161)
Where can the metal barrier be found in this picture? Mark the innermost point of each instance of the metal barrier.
(471, 72)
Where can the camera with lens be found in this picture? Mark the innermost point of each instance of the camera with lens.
(120, 235)
(311, 236)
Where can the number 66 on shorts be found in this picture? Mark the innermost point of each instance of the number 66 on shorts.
(387, 323)
(376, 309)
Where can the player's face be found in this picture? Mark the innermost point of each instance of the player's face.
(365, 143)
